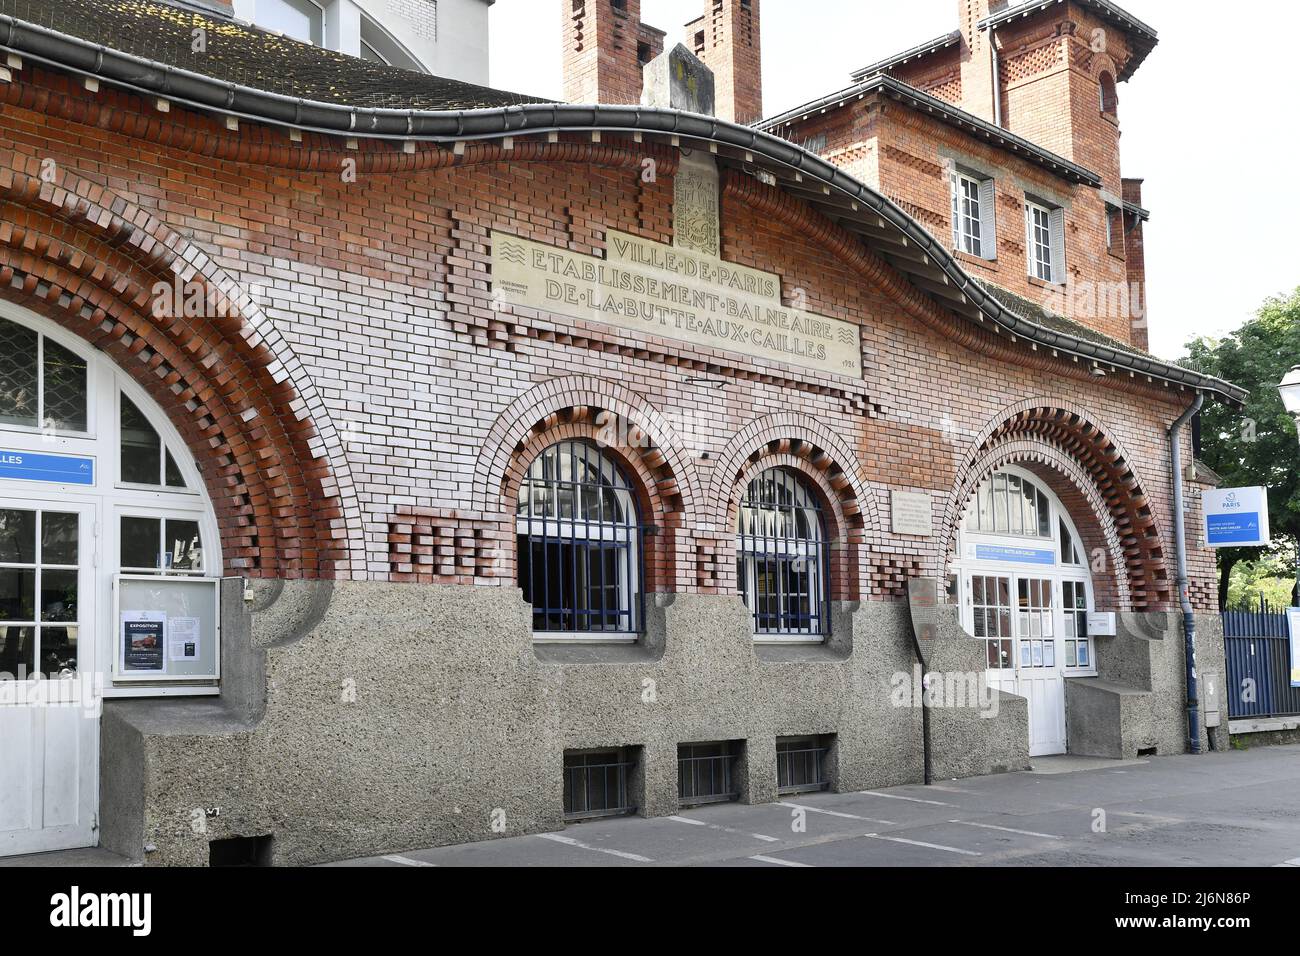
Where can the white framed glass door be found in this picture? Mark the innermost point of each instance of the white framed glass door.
(49, 709)
(1038, 662)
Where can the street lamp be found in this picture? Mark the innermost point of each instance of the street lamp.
(1290, 392)
(1289, 389)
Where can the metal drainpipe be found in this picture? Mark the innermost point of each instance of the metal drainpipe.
(1180, 545)
(997, 78)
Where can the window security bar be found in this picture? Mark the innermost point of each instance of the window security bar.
(594, 790)
(580, 561)
(782, 561)
(707, 779)
(801, 770)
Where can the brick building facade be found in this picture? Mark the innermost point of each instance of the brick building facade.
(418, 305)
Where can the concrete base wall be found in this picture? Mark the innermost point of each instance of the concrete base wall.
(380, 718)
(1138, 702)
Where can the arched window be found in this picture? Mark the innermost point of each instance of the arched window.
(1026, 585)
(1109, 94)
(579, 557)
(781, 557)
(94, 483)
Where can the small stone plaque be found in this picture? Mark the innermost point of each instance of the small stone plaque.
(913, 513)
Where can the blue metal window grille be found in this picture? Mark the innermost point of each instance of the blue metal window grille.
(782, 561)
(579, 559)
(706, 773)
(596, 784)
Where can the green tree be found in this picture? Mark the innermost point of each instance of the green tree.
(1266, 578)
(1256, 445)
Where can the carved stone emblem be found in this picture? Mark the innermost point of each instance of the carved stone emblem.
(695, 205)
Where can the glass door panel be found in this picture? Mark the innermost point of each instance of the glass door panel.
(1036, 623)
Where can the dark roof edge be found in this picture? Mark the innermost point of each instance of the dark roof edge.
(947, 113)
(204, 93)
(1136, 210)
(1145, 37)
(921, 49)
(1112, 12)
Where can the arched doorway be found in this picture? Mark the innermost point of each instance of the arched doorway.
(1026, 590)
(97, 491)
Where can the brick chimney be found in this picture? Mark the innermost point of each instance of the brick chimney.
(605, 47)
(977, 87)
(728, 40)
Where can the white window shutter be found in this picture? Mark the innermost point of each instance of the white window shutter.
(956, 211)
(1058, 245)
(1029, 241)
(988, 220)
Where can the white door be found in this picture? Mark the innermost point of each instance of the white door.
(1038, 664)
(49, 723)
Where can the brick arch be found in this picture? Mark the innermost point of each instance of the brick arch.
(272, 462)
(582, 399)
(813, 450)
(657, 500)
(806, 438)
(1052, 439)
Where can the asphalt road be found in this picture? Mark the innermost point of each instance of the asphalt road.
(1237, 808)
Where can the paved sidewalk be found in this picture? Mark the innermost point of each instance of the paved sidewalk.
(1237, 808)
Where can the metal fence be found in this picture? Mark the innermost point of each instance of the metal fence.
(1258, 649)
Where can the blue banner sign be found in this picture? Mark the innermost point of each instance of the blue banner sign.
(60, 469)
(989, 552)
(1232, 529)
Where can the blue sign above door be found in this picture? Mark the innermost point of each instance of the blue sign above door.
(59, 469)
(989, 552)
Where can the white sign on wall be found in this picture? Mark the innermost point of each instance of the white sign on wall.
(1236, 518)
(912, 513)
(1293, 618)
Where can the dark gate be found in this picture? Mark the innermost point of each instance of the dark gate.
(1258, 648)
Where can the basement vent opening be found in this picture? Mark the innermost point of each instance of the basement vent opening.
(240, 851)
(1147, 751)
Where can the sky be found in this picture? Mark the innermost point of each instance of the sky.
(1209, 121)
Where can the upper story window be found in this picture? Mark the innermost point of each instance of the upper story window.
(1114, 230)
(379, 46)
(1045, 241)
(974, 228)
(781, 557)
(1109, 95)
(579, 548)
(42, 384)
(301, 19)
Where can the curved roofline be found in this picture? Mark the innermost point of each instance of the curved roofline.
(844, 199)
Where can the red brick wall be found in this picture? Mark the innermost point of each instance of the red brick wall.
(600, 51)
(1135, 261)
(733, 51)
(381, 288)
